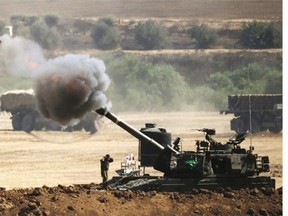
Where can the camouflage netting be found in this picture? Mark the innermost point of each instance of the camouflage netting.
(16, 99)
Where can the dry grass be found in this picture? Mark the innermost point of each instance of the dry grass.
(204, 9)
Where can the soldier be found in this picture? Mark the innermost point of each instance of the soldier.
(105, 167)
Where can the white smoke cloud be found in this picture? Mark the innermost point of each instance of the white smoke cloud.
(20, 57)
(71, 85)
(66, 87)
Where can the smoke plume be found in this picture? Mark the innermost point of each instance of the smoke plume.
(20, 57)
(66, 87)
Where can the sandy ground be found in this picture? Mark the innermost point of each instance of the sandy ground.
(53, 158)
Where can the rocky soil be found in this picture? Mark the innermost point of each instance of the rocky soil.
(87, 200)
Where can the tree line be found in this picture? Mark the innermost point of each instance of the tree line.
(148, 35)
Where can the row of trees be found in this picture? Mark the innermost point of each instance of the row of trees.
(139, 85)
(143, 86)
(148, 34)
(152, 35)
(253, 78)
(43, 30)
(146, 86)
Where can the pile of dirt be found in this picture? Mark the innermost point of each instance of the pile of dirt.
(88, 200)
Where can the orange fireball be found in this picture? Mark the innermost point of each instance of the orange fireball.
(55, 78)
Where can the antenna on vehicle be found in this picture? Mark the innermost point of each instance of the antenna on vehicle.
(250, 111)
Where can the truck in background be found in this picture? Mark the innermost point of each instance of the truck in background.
(26, 117)
(261, 112)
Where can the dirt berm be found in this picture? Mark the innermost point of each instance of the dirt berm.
(86, 200)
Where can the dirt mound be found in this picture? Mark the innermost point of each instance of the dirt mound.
(87, 200)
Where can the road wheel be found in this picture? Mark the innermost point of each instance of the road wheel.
(275, 129)
(38, 124)
(242, 127)
(16, 122)
(27, 124)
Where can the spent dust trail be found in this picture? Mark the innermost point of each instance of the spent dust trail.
(49, 136)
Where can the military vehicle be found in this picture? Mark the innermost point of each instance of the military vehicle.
(26, 117)
(212, 164)
(260, 112)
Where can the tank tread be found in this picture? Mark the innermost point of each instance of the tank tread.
(183, 185)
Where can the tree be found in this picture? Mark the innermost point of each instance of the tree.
(139, 85)
(151, 35)
(253, 78)
(105, 36)
(51, 20)
(205, 37)
(48, 38)
(259, 35)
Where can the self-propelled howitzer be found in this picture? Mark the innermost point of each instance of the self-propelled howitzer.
(212, 164)
(167, 151)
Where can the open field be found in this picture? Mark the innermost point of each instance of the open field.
(52, 158)
(204, 9)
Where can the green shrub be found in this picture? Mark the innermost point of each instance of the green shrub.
(51, 20)
(204, 98)
(105, 37)
(252, 79)
(220, 81)
(259, 35)
(151, 35)
(138, 85)
(205, 37)
(48, 38)
(274, 81)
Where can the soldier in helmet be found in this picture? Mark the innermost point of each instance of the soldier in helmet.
(104, 162)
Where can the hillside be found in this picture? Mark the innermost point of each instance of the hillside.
(226, 17)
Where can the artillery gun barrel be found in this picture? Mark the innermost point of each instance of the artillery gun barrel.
(140, 136)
